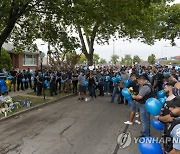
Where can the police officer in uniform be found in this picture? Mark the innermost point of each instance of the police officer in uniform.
(39, 84)
(52, 84)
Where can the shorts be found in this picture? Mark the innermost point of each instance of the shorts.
(134, 106)
(81, 88)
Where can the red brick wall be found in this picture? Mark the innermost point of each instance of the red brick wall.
(17, 60)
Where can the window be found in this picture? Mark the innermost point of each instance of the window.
(29, 60)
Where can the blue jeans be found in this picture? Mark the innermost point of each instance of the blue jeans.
(116, 91)
(145, 119)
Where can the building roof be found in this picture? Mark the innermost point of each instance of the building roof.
(9, 47)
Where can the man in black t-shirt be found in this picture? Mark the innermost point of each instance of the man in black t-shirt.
(135, 86)
(13, 73)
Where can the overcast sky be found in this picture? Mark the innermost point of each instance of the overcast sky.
(160, 48)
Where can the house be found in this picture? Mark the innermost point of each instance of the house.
(22, 60)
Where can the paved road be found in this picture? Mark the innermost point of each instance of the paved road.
(68, 127)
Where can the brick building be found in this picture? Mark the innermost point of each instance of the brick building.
(22, 60)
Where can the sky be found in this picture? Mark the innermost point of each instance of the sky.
(160, 49)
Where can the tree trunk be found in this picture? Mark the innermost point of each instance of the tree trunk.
(90, 59)
(6, 32)
(90, 43)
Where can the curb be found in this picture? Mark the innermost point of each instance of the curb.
(35, 107)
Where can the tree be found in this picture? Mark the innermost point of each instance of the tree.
(167, 22)
(82, 59)
(114, 59)
(96, 59)
(72, 58)
(12, 12)
(5, 59)
(136, 59)
(127, 60)
(152, 59)
(55, 21)
(103, 61)
(98, 21)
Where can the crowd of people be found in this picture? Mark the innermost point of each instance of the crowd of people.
(145, 82)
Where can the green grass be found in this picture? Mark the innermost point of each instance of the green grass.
(35, 101)
(47, 93)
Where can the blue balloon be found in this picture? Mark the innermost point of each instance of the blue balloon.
(148, 145)
(3, 89)
(114, 80)
(85, 83)
(47, 85)
(85, 68)
(62, 81)
(150, 76)
(107, 78)
(127, 82)
(23, 80)
(153, 106)
(165, 97)
(31, 72)
(9, 77)
(118, 78)
(2, 82)
(27, 80)
(161, 94)
(125, 92)
(162, 100)
(158, 125)
(32, 78)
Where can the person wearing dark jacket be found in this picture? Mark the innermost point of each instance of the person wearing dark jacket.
(19, 81)
(53, 84)
(39, 84)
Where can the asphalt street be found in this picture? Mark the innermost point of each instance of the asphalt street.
(69, 127)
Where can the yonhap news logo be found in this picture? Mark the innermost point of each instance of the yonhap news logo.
(124, 140)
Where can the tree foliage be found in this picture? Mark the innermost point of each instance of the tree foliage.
(5, 60)
(136, 59)
(56, 22)
(152, 59)
(114, 59)
(127, 60)
(96, 59)
(82, 59)
(102, 61)
(168, 22)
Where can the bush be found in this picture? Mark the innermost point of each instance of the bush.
(5, 60)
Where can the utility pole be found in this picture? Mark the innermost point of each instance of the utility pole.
(113, 48)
